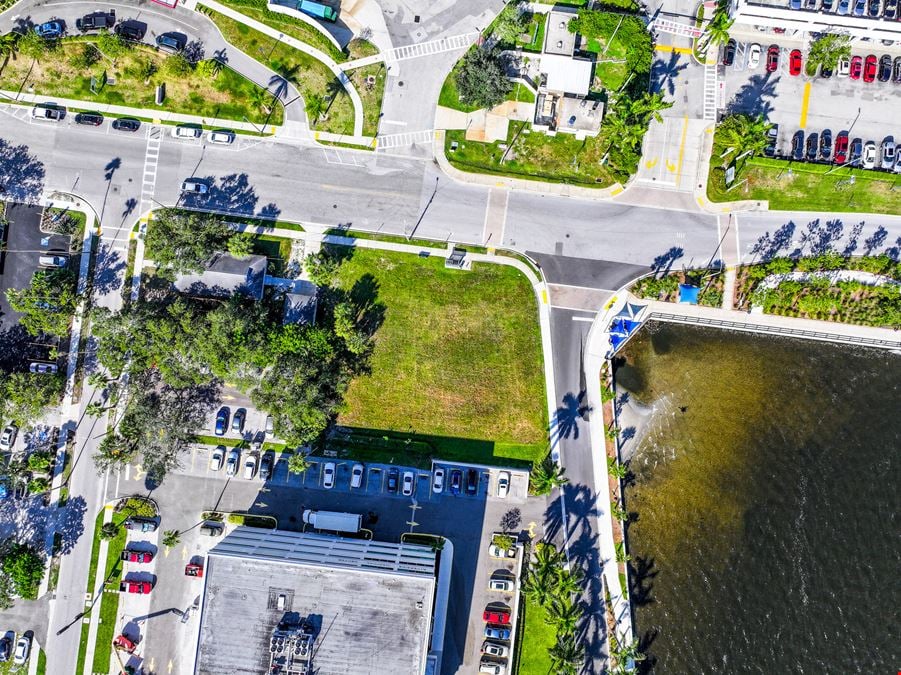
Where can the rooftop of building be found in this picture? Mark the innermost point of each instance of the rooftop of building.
(558, 39)
(226, 275)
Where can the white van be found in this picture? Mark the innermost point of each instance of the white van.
(57, 261)
(187, 132)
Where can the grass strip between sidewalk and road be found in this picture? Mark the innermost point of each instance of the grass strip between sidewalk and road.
(536, 638)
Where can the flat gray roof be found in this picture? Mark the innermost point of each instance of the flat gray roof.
(226, 275)
(558, 39)
(365, 621)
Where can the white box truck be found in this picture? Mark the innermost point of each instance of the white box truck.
(333, 521)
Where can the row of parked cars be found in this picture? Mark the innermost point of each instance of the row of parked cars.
(820, 147)
(127, 29)
(874, 9)
(868, 68)
(19, 653)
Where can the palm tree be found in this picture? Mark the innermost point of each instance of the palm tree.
(8, 44)
(566, 655)
(539, 586)
(826, 50)
(171, 538)
(315, 105)
(624, 654)
(568, 582)
(547, 558)
(259, 98)
(745, 134)
(564, 614)
(298, 463)
(621, 555)
(717, 31)
(617, 470)
(547, 476)
(617, 512)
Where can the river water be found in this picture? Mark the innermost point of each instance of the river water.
(767, 494)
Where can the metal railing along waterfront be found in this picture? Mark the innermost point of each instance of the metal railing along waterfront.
(777, 330)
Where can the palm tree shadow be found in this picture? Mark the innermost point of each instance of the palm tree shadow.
(664, 74)
(567, 417)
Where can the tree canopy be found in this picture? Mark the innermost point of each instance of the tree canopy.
(481, 79)
(183, 241)
(745, 134)
(512, 22)
(48, 303)
(826, 50)
(25, 396)
(629, 30)
(23, 568)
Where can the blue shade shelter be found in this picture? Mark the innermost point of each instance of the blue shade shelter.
(688, 294)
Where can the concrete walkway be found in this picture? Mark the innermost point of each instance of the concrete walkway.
(302, 47)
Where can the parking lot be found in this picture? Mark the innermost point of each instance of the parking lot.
(468, 521)
(867, 110)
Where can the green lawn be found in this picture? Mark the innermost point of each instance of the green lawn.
(536, 30)
(277, 251)
(296, 28)
(611, 74)
(226, 96)
(370, 84)
(537, 636)
(302, 70)
(457, 359)
(535, 156)
(521, 92)
(806, 187)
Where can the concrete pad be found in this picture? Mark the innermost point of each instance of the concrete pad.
(496, 128)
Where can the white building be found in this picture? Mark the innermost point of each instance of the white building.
(778, 14)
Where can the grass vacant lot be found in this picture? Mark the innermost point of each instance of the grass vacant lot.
(457, 356)
(302, 70)
(535, 156)
(806, 187)
(226, 96)
(370, 84)
(537, 637)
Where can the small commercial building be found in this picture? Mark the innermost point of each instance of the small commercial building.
(314, 603)
(226, 275)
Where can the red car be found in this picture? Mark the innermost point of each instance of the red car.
(195, 570)
(123, 643)
(841, 148)
(794, 62)
(139, 587)
(856, 67)
(772, 58)
(137, 556)
(489, 616)
(869, 69)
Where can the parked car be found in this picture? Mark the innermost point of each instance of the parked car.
(869, 68)
(266, 466)
(23, 649)
(798, 145)
(503, 484)
(856, 151)
(841, 148)
(328, 475)
(826, 5)
(868, 160)
(250, 467)
(888, 153)
(472, 481)
(826, 145)
(231, 464)
(43, 368)
(754, 52)
(8, 437)
(170, 42)
(195, 186)
(502, 585)
(238, 420)
(356, 475)
(438, 481)
(129, 555)
(496, 551)
(126, 124)
(885, 68)
(48, 112)
(729, 53)
(890, 9)
(217, 457)
(221, 137)
(96, 21)
(221, 421)
(874, 9)
(131, 30)
(194, 570)
(270, 426)
(184, 131)
(844, 66)
(897, 168)
(456, 481)
(497, 632)
(856, 67)
(492, 667)
(794, 4)
(50, 30)
(5, 648)
(844, 7)
(896, 70)
(860, 7)
(50, 260)
(772, 137)
(393, 478)
(140, 524)
(211, 528)
(812, 147)
(89, 119)
(408, 484)
(772, 58)
(494, 649)
(794, 62)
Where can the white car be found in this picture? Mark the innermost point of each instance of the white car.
(23, 649)
(55, 261)
(888, 153)
(844, 67)
(43, 368)
(217, 458)
(8, 438)
(868, 159)
(503, 484)
(897, 168)
(494, 649)
(754, 52)
(48, 112)
(231, 466)
(496, 551)
(250, 467)
(407, 484)
(356, 475)
(503, 585)
(196, 186)
(328, 476)
(221, 137)
(438, 481)
(492, 668)
(187, 132)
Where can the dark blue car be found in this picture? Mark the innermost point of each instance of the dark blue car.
(51, 29)
(222, 421)
(456, 481)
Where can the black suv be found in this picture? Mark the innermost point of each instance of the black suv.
(96, 21)
(393, 475)
(170, 42)
(126, 124)
(90, 119)
(472, 481)
(798, 146)
(885, 68)
(729, 53)
(131, 30)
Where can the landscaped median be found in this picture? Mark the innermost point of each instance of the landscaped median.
(103, 69)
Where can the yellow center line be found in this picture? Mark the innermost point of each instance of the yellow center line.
(805, 103)
(681, 150)
(671, 48)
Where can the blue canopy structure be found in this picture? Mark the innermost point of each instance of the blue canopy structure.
(688, 294)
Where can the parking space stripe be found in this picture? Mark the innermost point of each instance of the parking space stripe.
(805, 104)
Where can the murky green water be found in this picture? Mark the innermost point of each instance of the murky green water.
(767, 491)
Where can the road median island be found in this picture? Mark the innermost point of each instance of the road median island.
(76, 68)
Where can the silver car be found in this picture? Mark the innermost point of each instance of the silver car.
(889, 151)
(231, 466)
(195, 186)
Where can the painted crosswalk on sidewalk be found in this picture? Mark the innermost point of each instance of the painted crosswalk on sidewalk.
(407, 138)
